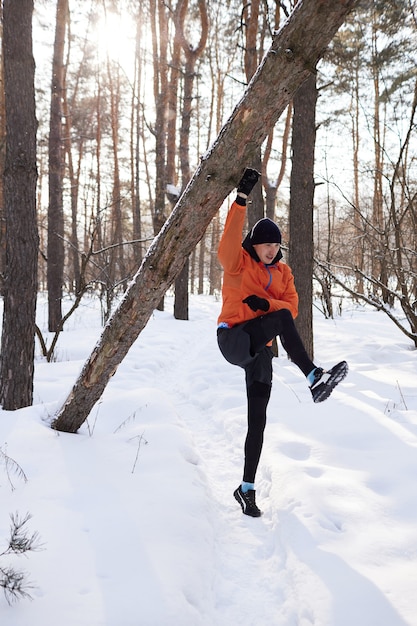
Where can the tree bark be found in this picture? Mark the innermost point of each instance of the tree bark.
(271, 187)
(117, 266)
(292, 58)
(159, 14)
(135, 135)
(191, 57)
(301, 206)
(55, 267)
(20, 175)
(160, 89)
(2, 161)
(256, 206)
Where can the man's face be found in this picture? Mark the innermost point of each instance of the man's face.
(266, 251)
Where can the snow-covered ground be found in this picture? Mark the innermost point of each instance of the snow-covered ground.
(136, 511)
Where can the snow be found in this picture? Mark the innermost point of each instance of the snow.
(173, 190)
(136, 511)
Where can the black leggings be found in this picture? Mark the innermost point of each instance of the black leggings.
(258, 398)
(245, 345)
(263, 329)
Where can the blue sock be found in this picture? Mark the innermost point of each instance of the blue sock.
(310, 377)
(246, 486)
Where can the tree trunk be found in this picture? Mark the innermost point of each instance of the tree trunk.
(160, 89)
(20, 288)
(301, 205)
(136, 129)
(2, 161)
(135, 138)
(256, 208)
(358, 250)
(159, 16)
(215, 267)
(181, 293)
(201, 264)
(191, 55)
(288, 63)
(55, 267)
(117, 268)
(73, 165)
(73, 175)
(271, 187)
(379, 260)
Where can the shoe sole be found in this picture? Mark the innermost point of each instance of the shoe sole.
(335, 378)
(242, 503)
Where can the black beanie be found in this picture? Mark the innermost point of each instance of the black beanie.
(265, 231)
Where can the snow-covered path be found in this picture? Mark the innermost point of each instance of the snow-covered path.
(137, 513)
(327, 538)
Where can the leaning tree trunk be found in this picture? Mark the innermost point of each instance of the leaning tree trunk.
(292, 58)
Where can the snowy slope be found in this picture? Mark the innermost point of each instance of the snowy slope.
(136, 512)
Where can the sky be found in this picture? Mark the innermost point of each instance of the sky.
(136, 516)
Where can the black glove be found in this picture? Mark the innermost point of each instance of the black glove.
(256, 303)
(248, 181)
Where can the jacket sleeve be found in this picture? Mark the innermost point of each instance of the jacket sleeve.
(230, 252)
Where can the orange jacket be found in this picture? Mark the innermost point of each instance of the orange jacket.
(244, 276)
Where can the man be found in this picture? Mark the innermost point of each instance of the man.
(260, 302)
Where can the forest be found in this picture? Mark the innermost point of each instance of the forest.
(124, 100)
